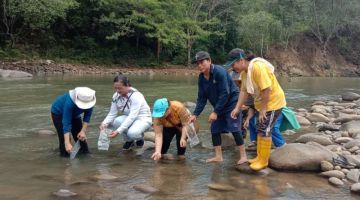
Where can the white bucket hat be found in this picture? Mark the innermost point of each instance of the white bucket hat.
(84, 97)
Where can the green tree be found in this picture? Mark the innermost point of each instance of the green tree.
(20, 16)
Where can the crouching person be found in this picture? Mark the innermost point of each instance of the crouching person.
(135, 116)
(170, 119)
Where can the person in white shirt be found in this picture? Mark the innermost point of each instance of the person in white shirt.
(135, 116)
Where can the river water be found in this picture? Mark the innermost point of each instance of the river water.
(30, 167)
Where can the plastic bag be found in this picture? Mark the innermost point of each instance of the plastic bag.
(104, 141)
(193, 139)
(75, 150)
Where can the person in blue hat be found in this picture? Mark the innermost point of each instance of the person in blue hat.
(216, 86)
(170, 119)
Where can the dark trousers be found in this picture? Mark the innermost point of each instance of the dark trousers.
(238, 137)
(168, 135)
(76, 126)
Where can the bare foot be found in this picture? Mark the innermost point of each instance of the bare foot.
(214, 159)
(242, 161)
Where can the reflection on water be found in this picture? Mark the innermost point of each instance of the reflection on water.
(29, 162)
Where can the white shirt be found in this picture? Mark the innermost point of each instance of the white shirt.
(135, 108)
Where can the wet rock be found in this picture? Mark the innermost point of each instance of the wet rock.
(14, 74)
(329, 127)
(352, 144)
(348, 105)
(341, 140)
(353, 160)
(348, 111)
(301, 110)
(104, 177)
(344, 134)
(335, 181)
(355, 188)
(315, 137)
(345, 153)
(64, 193)
(245, 168)
(317, 117)
(145, 188)
(353, 175)
(221, 187)
(288, 132)
(46, 132)
(346, 118)
(303, 121)
(333, 173)
(299, 157)
(323, 108)
(352, 127)
(332, 103)
(354, 149)
(149, 136)
(326, 166)
(318, 103)
(328, 132)
(350, 96)
(345, 171)
(334, 148)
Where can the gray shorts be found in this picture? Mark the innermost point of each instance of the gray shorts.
(264, 128)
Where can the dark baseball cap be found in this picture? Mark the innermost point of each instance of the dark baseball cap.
(201, 55)
(233, 56)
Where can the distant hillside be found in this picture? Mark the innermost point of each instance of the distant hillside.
(303, 57)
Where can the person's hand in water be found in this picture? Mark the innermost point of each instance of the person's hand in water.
(156, 156)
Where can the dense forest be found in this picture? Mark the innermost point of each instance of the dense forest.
(152, 32)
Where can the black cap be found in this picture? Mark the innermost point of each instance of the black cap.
(201, 55)
(234, 55)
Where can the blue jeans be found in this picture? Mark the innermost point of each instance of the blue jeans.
(276, 135)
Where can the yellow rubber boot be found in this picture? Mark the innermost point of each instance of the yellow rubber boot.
(262, 162)
(257, 152)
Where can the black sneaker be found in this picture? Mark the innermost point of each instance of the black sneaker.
(128, 145)
(140, 143)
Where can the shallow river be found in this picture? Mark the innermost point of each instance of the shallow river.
(30, 167)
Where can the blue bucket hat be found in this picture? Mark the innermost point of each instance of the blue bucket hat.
(160, 107)
(233, 56)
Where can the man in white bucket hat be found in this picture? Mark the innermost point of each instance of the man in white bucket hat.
(66, 113)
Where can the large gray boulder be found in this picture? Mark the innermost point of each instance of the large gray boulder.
(314, 137)
(352, 127)
(299, 157)
(346, 118)
(350, 96)
(317, 117)
(303, 121)
(14, 74)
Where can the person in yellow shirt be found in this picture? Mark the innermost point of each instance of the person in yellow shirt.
(258, 79)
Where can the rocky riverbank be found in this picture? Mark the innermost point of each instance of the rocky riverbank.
(333, 150)
(50, 67)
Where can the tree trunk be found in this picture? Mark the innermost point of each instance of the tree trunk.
(158, 50)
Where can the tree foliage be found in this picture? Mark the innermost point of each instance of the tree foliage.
(129, 31)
